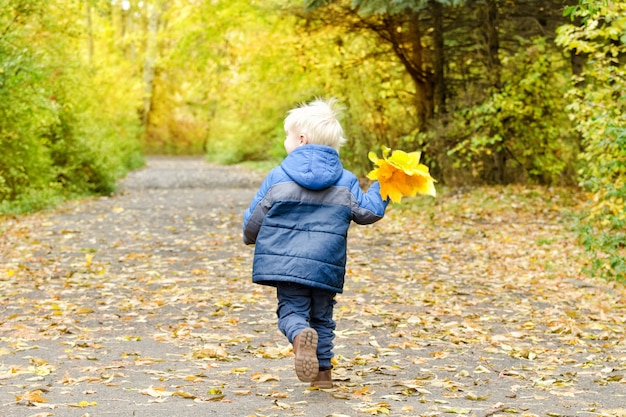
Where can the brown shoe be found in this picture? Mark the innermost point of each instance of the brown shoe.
(305, 349)
(324, 380)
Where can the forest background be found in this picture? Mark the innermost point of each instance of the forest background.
(492, 92)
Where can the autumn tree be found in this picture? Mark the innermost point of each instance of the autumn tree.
(461, 57)
(597, 106)
(60, 132)
(400, 27)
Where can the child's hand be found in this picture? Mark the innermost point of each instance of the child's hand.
(401, 175)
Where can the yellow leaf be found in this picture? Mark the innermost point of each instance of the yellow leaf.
(481, 370)
(32, 396)
(83, 310)
(473, 397)
(83, 404)
(156, 392)
(210, 351)
(212, 399)
(282, 405)
(38, 361)
(378, 408)
(401, 175)
(144, 361)
(261, 377)
(457, 411)
(183, 394)
(359, 392)
(88, 259)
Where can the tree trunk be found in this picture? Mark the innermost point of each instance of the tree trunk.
(494, 66)
(127, 29)
(438, 58)
(422, 78)
(89, 23)
(492, 39)
(149, 63)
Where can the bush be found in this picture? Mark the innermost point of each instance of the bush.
(57, 137)
(598, 108)
(520, 132)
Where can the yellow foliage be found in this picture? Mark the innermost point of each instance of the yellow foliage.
(401, 174)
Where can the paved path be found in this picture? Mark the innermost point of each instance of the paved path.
(141, 305)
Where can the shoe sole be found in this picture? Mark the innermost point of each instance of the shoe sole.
(322, 385)
(307, 366)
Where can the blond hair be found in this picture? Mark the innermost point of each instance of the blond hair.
(318, 121)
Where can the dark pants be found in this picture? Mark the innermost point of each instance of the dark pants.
(300, 307)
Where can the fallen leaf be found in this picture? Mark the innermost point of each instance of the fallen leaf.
(261, 377)
(32, 397)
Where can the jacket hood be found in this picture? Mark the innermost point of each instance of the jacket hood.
(313, 166)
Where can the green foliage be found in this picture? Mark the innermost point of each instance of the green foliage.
(55, 138)
(299, 59)
(223, 86)
(377, 112)
(383, 7)
(227, 72)
(81, 81)
(523, 122)
(598, 106)
(236, 68)
(488, 102)
(19, 99)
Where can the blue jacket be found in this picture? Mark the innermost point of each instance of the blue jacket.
(300, 216)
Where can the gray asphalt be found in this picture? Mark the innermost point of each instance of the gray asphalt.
(140, 304)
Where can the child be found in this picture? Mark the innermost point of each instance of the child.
(299, 221)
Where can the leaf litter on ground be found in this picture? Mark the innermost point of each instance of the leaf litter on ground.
(472, 303)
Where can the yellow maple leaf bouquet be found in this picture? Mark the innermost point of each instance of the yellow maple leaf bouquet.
(401, 175)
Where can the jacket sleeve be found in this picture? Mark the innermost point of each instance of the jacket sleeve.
(370, 207)
(255, 214)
